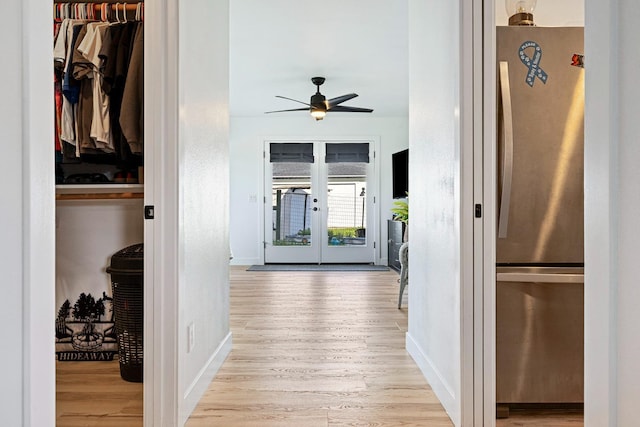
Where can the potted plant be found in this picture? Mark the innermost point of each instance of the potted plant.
(400, 211)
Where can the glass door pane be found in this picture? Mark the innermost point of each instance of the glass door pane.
(291, 209)
(346, 171)
(291, 204)
(346, 204)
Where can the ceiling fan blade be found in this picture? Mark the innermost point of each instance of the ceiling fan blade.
(351, 109)
(294, 100)
(282, 111)
(340, 99)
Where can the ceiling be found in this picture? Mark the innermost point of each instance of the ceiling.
(360, 46)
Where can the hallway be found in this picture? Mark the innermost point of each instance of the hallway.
(317, 349)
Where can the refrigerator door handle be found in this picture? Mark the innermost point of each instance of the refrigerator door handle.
(507, 161)
(540, 277)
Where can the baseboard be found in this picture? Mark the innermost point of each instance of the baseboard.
(439, 386)
(194, 392)
(245, 261)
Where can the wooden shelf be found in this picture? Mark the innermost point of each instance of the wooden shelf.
(99, 191)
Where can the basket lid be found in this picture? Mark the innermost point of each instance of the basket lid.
(129, 258)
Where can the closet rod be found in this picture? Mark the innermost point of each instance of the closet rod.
(130, 7)
(98, 2)
(100, 196)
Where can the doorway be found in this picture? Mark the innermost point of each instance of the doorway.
(522, 336)
(319, 202)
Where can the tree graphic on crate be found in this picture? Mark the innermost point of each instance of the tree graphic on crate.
(82, 332)
(62, 330)
(88, 310)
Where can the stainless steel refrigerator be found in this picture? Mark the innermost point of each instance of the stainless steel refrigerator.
(539, 295)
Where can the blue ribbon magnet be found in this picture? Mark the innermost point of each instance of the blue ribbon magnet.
(532, 63)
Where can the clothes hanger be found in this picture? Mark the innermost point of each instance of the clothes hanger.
(103, 12)
(124, 12)
(138, 15)
(117, 15)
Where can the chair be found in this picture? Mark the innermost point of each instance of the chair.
(404, 270)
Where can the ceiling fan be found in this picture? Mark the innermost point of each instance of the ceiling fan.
(319, 105)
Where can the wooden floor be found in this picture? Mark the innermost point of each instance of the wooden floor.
(309, 349)
(548, 418)
(318, 349)
(93, 394)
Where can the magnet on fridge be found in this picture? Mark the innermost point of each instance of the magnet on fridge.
(577, 60)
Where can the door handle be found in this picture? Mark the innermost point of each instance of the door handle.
(315, 209)
(507, 159)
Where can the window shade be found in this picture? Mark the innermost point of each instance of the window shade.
(291, 152)
(347, 153)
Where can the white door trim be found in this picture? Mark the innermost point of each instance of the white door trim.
(608, 134)
(472, 221)
(486, 306)
(161, 234)
(29, 216)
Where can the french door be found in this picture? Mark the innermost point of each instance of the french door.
(319, 202)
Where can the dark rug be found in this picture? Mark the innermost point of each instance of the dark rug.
(318, 267)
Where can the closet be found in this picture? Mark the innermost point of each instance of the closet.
(99, 159)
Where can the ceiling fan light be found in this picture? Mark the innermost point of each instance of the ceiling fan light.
(318, 114)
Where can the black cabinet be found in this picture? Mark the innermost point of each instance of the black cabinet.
(395, 231)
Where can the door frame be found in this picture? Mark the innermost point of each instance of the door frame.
(160, 264)
(485, 302)
(476, 180)
(373, 206)
(161, 235)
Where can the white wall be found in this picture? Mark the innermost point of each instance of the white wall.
(11, 223)
(204, 193)
(612, 203)
(628, 289)
(26, 217)
(434, 336)
(247, 142)
(568, 13)
(84, 248)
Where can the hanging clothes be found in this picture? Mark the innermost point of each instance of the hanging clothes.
(115, 54)
(98, 82)
(100, 120)
(132, 114)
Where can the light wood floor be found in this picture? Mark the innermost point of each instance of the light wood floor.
(542, 419)
(92, 394)
(318, 349)
(548, 418)
(309, 349)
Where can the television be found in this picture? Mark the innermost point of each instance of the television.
(400, 173)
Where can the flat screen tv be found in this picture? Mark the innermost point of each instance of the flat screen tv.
(400, 173)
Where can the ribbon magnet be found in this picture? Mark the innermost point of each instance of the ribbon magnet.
(532, 63)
